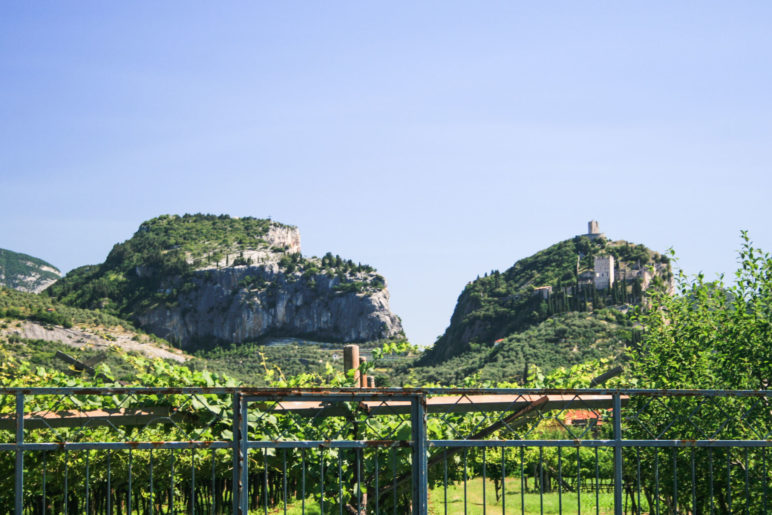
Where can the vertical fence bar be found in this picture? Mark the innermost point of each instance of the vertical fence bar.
(303, 482)
(284, 477)
(694, 485)
(19, 484)
(484, 478)
(193, 481)
(171, 484)
(503, 483)
(674, 452)
(420, 463)
(45, 473)
(617, 414)
(445, 479)
(377, 486)
(265, 477)
(243, 458)
(129, 496)
(466, 479)
(560, 480)
(87, 480)
(235, 488)
(109, 484)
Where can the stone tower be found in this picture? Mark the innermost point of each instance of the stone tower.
(592, 228)
(604, 272)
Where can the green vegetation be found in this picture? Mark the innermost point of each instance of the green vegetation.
(16, 270)
(715, 336)
(17, 305)
(560, 341)
(251, 364)
(41, 353)
(711, 335)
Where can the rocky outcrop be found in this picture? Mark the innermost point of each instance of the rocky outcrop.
(207, 279)
(244, 303)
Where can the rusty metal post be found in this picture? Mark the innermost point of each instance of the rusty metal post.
(351, 361)
(362, 376)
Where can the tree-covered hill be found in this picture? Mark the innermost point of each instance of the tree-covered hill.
(204, 280)
(26, 273)
(163, 247)
(558, 279)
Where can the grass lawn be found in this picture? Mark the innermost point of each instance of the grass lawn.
(551, 502)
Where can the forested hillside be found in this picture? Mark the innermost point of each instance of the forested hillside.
(562, 340)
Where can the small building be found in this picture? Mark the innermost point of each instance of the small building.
(604, 272)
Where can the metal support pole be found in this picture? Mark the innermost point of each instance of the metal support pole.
(19, 487)
(244, 437)
(617, 413)
(420, 463)
(237, 458)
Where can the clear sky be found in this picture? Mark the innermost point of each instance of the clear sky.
(433, 140)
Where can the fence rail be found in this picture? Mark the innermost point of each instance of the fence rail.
(242, 450)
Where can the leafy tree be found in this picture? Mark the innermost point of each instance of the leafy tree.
(709, 336)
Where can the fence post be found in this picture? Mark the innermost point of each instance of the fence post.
(19, 487)
(351, 362)
(618, 501)
(420, 464)
(237, 457)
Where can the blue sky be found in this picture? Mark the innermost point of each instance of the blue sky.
(433, 140)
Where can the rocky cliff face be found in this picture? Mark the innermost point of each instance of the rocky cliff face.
(243, 303)
(204, 279)
(26, 273)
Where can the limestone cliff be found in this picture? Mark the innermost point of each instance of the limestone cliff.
(204, 279)
(242, 303)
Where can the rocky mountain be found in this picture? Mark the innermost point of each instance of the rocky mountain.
(582, 274)
(26, 273)
(199, 280)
